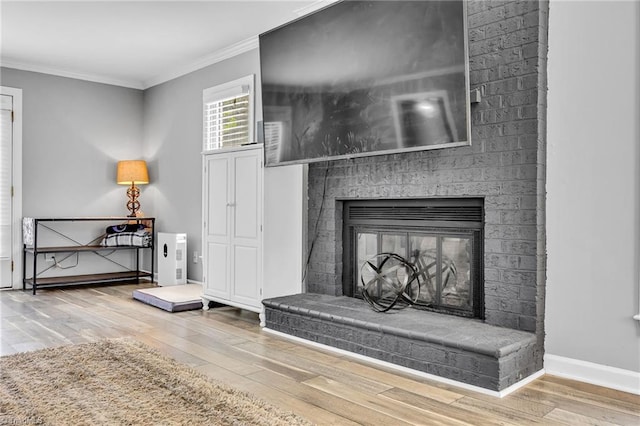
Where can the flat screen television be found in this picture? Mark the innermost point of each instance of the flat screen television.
(361, 78)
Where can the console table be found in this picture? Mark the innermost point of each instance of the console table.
(76, 247)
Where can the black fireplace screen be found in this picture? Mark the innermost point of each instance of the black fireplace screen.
(444, 246)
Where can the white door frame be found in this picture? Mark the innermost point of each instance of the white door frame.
(16, 214)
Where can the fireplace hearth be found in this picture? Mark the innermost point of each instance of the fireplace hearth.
(441, 238)
(448, 346)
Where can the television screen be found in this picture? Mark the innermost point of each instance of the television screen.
(365, 78)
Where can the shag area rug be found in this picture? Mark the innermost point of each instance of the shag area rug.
(121, 382)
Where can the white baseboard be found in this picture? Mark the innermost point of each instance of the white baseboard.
(596, 374)
(421, 374)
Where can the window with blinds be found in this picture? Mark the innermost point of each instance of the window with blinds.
(228, 114)
(5, 175)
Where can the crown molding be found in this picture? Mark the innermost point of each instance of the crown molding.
(9, 63)
(316, 5)
(218, 56)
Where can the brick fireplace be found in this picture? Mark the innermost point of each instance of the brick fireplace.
(504, 167)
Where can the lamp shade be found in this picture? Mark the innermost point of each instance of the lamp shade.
(132, 171)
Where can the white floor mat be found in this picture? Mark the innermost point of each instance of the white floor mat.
(173, 298)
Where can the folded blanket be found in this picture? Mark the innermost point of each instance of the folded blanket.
(135, 239)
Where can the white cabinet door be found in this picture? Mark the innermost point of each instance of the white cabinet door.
(246, 236)
(233, 228)
(216, 226)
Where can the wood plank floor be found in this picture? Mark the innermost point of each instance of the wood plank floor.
(228, 345)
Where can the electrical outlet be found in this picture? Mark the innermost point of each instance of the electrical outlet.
(195, 256)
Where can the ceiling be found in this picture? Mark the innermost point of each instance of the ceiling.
(135, 44)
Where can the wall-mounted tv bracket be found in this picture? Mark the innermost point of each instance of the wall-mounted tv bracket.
(475, 96)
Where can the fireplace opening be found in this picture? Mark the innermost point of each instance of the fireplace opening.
(442, 238)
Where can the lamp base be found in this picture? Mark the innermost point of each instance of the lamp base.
(133, 204)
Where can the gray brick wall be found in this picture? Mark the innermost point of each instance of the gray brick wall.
(505, 165)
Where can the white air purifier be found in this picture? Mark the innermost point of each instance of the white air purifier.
(172, 259)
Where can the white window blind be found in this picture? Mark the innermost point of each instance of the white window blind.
(6, 133)
(228, 114)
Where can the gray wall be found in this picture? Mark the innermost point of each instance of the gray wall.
(74, 132)
(173, 146)
(593, 206)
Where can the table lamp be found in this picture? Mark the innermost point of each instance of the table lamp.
(132, 172)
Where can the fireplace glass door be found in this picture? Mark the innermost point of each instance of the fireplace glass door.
(443, 261)
(443, 238)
